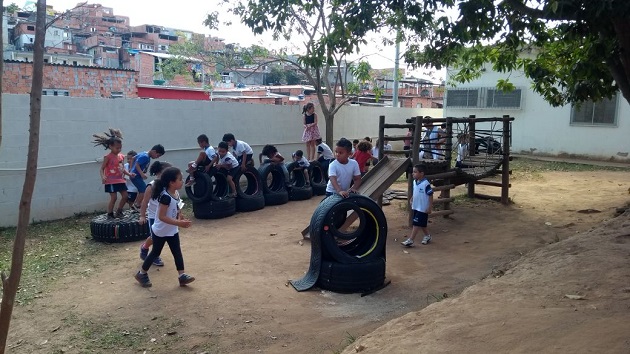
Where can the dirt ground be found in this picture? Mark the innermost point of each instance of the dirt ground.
(241, 302)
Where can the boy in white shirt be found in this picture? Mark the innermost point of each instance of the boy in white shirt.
(422, 205)
(343, 171)
(303, 163)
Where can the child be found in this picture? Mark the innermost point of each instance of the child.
(132, 191)
(324, 155)
(272, 154)
(462, 149)
(386, 145)
(343, 171)
(112, 170)
(166, 226)
(363, 156)
(303, 164)
(242, 151)
(311, 130)
(228, 162)
(375, 153)
(139, 169)
(355, 142)
(207, 157)
(422, 205)
(149, 208)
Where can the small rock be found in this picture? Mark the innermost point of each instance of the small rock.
(405, 252)
(300, 243)
(170, 333)
(359, 348)
(248, 321)
(548, 223)
(273, 234)
(153, 340)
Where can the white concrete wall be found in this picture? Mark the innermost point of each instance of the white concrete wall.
(540, 128)
(68, 179)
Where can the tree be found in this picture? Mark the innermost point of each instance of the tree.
(276, 75)
(10, 284)
(326, 42)
(12, 8)
(363, 72)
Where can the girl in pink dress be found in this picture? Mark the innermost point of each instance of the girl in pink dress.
(112, 170)
(311, 131)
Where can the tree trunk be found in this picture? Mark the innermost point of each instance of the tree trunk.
(10, 284)
(1, 69)
(621, 69)
(329, 118)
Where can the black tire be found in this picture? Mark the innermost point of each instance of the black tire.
(220, 185)
(214, 209)
(298, 190)
(251, 197)
(201, 191)
(318, 178)
(274, 184)
(126, 229)
(432, 167)
(303, 193)
(364, 244)
(352, 278)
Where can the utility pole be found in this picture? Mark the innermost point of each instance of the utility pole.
(396, 65)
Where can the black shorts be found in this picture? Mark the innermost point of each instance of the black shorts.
(115, 188)
(250, 159)
(420, 219)
(131, 196)
(231, 172)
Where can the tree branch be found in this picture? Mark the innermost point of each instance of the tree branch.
(519, 6)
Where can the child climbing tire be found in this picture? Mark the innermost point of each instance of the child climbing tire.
(125, 229)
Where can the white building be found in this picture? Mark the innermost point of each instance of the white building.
(595, 130)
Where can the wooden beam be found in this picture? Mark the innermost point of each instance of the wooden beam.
(443, 188)
(443, 200)
(441, 213)
(441, 175)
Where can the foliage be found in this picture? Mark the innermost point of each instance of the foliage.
(362, 72)
(12, 8)
(276, 75)
(294, 77)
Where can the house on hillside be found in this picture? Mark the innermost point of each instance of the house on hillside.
(596, 130)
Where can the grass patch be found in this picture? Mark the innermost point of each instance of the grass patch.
(52, 250)
(349, 339)
(525, 165)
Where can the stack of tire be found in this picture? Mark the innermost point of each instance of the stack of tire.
(346, 260)
(125, 229)
(319, 178)
(298, 187)
(274, 181)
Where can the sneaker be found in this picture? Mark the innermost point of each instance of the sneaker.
(185, 279)
(426, 239)
(119, 214)
(158, 262)
(144, 252)
(135, 208)
(190, 182)
(408, 242)
(143, 279)
(110, 215)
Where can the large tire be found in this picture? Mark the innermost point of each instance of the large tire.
(201, 191)
(220, 185)
(318, 178)
(214, 209)
(249, 190)
(352, 278)
(363, 244)
(298, 190)
(126, 229)
(274, 184)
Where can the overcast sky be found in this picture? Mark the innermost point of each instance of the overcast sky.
(189, 15)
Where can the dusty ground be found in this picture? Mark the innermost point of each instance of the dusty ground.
(241, 303)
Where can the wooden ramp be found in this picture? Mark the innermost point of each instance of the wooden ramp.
(378, 179)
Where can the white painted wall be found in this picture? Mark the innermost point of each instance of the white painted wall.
(543, 129)
(68, 179)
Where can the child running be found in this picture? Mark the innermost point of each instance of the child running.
(303, 164)
(207, 157)
(272, 155)
(422, 204)
(228, 162)
(132, 191)
(343, 171)
(139, 169)
(112, 170)
(149, 208)
(167, 223)
(242, 151)
(362, 155)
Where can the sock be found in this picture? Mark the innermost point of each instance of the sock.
(144, 246)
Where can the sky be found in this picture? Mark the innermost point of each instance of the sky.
(189, 15)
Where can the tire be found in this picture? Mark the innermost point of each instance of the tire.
(201, 191)
(318, 178)
(251, 197)
(352, 278)
(432, 167)
(219, 183)
(298, 189)
(126, 229)
(274, 184)
(363, 244)
(215, 209)
(304, 193)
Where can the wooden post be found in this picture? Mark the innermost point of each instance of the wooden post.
(471, 151)
(379, 146)
(414, 156)
(448, 156)
(505, 175)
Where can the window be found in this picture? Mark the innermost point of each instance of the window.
(500, 99)
(53, 92)
(30, 28)
(74, 62)
(56, 33)
(462, 98)
(595, 113)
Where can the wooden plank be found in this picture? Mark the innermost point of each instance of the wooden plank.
(443, 188)
(443, 200)
(441, 213)
(397, 137)
(396, 152)
(441, 175)
(397, 126)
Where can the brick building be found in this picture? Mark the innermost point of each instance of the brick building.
(71, 80)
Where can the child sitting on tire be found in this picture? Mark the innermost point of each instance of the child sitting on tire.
(303, 164)
(272, 155)
(207, 157)
(242, 151)
(343, 171)
(228, 162)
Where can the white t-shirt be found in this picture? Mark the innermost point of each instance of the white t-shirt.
(462, 151)
(387, 147)
(303, 162)
(324, 151)
(242, 147)
(131, 188)
(375, 152)
(153, 204)
(160, 228)
(421, 192)
(228, 159)
(344, 173)
(210, 152)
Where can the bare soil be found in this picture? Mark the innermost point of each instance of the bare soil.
(540, 248)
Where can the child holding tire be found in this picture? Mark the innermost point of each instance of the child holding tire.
(166, 227)
(422, 204)
(272, 155)
(207, 157)
(343, 171)
(139, 169)
(242, 151)
(149, 208)
(303, 164)
(229, 163)
(112, 171)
